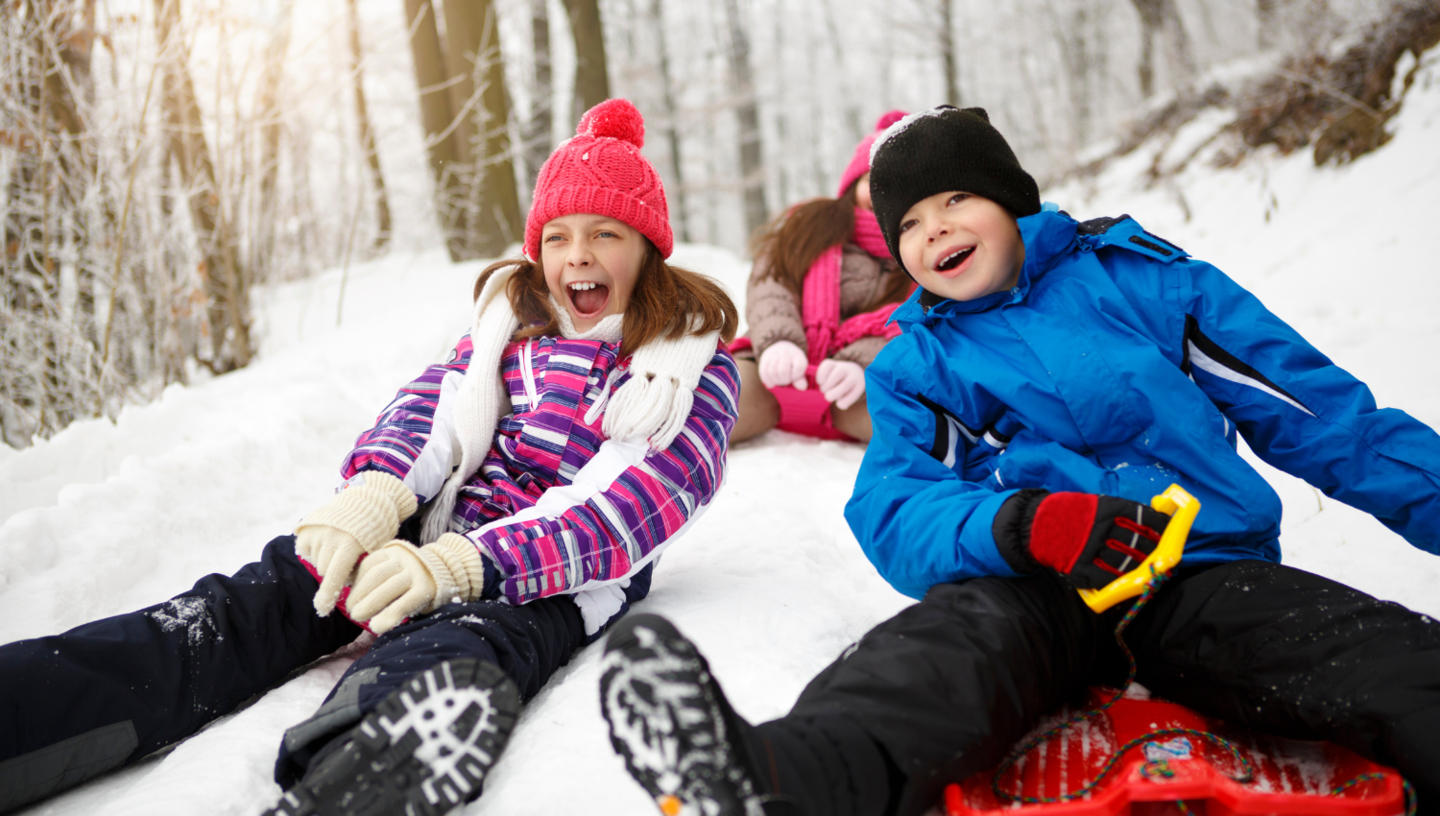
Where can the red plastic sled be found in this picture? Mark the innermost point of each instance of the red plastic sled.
(1153, 757)
(1180, 772)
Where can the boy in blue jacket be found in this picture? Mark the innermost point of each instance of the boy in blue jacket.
(1052, 377)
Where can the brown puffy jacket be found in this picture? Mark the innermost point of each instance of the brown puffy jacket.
(773, 313)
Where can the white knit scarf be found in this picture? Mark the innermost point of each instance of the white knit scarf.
(652, 405)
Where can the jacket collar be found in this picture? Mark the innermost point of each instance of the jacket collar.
(1048, 235)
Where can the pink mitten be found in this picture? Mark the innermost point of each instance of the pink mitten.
(783, 364)
(841, 381)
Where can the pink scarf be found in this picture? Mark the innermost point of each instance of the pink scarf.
(824, 333)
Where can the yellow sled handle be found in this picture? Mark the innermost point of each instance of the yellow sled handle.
(1182, 508)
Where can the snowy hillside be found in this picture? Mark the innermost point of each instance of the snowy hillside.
(106, 518)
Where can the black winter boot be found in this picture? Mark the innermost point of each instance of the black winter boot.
(423, 751)
(672, 725)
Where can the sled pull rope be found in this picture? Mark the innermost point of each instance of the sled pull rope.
(1412, 802)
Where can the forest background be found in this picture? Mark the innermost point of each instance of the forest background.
(161, 159)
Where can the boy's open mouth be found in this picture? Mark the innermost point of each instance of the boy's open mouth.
(588, 298)
(954, 259)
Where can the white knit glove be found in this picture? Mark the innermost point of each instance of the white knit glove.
(783, 364)
(841, 381)
(655, 401)
(400, 580)
(360, 518)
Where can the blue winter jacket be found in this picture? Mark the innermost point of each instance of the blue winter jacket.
(1116, 365)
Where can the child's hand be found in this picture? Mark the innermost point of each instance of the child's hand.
(1089, 539)
(401, 580)
(783, 364)
(364, 515)
(841, 381)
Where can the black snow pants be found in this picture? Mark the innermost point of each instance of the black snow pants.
(946, 687)
(107, 693)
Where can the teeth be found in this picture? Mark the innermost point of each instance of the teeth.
(583, 285)
(953, 259)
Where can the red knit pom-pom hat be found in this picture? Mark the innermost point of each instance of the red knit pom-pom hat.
(600, 170)
(860, 161)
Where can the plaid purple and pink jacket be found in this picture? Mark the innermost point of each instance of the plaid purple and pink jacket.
(557, 507)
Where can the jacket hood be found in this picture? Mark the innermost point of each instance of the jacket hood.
(1047, 236)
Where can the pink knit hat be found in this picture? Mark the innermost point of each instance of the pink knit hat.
(860, 162)
(600, 170)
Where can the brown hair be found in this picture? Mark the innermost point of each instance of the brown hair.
(667, 301)
(792, 242)
(795, 238)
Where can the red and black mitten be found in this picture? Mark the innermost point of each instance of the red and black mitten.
(1089, 539)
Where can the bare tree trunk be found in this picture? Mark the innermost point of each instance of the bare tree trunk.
(460, 47)
(781, 178)
(130, 351)
(271, 115)
(1161, 19)
(947, 53)
(29, 296)
(1181, 55)
(752, 170)
(465, 112)
(499, 220)
(85, 219)
(40, 293)
(226, 286)
(1149, 30)
(367, 134)
(91, 227)
(161, 294)
(670, 114)
(482, 111)
(592, 77)
(1082, 64)
(536, 145)
(436, 116)
(1267, 13)
(852, 118)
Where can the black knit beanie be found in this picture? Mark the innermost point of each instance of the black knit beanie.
(943, 149)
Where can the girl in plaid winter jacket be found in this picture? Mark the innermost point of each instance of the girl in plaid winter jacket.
(507, 506)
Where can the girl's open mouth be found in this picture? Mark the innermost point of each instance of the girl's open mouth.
(588, 298)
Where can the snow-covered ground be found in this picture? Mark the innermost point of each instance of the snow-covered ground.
(105, 518)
